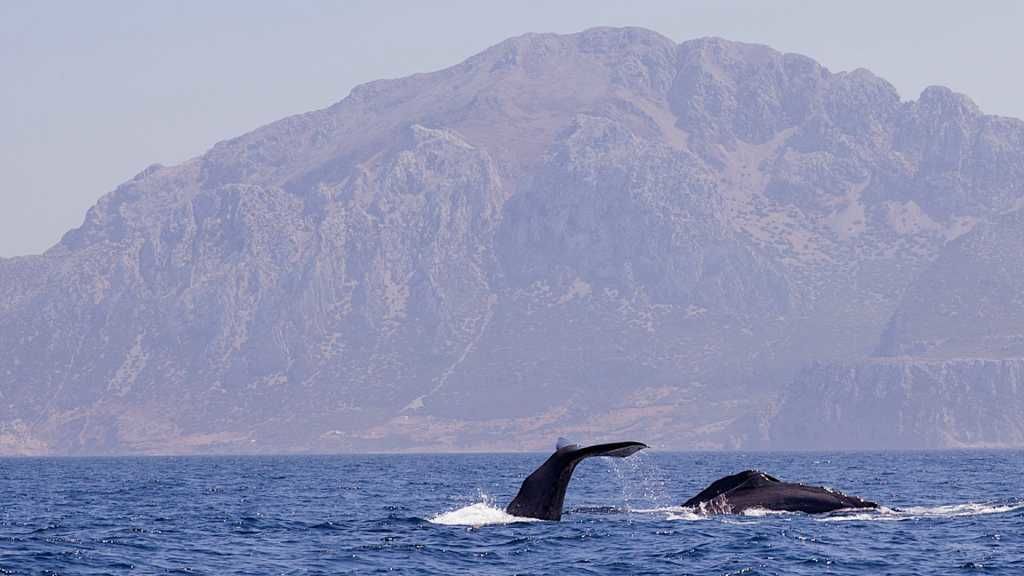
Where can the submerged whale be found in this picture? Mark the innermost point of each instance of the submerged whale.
(755, 489)
(543, 491)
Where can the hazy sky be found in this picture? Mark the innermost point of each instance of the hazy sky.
(93, 92)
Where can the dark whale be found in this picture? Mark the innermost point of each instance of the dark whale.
(543, 491)
(755, 489)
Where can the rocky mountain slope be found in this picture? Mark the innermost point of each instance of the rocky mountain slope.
(904, 404)
(949, 370)
(597, 235)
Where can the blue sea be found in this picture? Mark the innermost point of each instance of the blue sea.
(945, 513)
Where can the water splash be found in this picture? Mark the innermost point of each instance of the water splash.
(479, 514)
(643, 482)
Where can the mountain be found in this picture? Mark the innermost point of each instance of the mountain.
(598, 235)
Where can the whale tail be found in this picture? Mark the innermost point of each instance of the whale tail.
(543, 492)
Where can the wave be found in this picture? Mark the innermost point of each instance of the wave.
(693, 514)
(680, 513)
(884, 514)
(672, 513)
(598, 510)
(762, 512)
(479, 514)
(486, 514)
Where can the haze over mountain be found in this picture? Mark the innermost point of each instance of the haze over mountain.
(700, 245)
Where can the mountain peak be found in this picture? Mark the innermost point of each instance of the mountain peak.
(944, 101)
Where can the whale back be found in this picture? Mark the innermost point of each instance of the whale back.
(755, 489)
(542, 493)
(745, 479)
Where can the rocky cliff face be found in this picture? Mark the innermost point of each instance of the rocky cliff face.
(597, 234)
(970, 301)
(948, 369)
(905, 404)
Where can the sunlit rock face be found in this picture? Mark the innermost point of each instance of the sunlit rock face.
(700, 245)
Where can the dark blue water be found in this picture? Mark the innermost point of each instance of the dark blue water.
(958, 512)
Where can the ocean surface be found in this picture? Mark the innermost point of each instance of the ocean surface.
(945, 513)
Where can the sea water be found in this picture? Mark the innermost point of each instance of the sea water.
(944, 513)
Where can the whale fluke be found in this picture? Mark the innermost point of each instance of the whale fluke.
(543, 492)
(755, 489)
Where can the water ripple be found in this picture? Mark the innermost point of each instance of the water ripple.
(443, 514)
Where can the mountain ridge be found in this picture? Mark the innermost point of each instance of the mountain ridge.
(589, 234)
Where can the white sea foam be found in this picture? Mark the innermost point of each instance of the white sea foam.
(681, 513)
(672, 513)
(881, 514)
(967, 509)
(479, 514)
(686, 514)
(485, 513)
(884, 514)
(762, 512)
